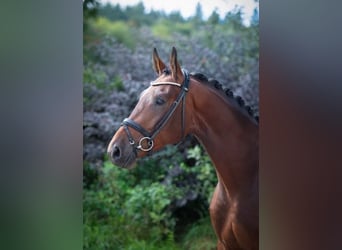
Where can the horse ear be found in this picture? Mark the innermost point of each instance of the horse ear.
(158, 64)
(175, 67)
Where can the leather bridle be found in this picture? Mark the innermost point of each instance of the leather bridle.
(148, 137)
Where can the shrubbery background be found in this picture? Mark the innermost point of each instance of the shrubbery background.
(163, 203)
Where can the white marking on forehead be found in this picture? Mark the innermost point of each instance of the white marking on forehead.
(143, 93)
(146, 92)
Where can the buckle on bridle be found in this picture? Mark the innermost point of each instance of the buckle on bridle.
(149, 142)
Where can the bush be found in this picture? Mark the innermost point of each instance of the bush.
(165, 29)
(200, 236)
(130, 209)
(120, 30)
(98, 78)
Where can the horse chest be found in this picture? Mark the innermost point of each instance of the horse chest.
(222, 210)
(224, 214)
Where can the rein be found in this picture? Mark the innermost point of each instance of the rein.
(148, 137)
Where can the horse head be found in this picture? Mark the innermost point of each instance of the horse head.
(158, 118)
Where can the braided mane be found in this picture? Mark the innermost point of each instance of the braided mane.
(226, 92)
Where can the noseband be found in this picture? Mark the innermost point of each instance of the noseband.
(148, 137)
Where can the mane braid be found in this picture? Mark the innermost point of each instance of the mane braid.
(227, 92)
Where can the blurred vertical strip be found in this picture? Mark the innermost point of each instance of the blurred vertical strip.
(41, 125)
(300, 125)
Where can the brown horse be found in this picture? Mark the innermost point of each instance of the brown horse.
(177, 104)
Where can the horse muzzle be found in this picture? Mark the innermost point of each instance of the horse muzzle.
(121, 153)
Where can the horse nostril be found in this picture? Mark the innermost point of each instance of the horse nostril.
(116, 153)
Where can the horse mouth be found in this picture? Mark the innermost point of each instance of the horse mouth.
(130, 162)
(125, 161)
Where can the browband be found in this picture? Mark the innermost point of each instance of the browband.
(166, 83)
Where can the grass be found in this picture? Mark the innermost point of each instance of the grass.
(200, 236)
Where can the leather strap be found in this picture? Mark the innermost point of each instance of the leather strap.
(163, 121)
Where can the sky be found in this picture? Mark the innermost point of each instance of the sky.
(187, 7)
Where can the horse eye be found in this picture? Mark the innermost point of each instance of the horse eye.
(160, 101)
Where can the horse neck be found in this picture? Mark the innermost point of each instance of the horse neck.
(229, 136)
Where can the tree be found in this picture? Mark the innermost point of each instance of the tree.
(90, 9)
(234, 19)
(255, 17)
(176, 16)
(111, 12)
(136, 14)
(198, 18)
(214, 18)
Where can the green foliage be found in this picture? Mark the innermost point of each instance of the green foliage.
(89, 175)
(90, 11)
(117, 84)
(161, 30)
(183, 28)
(198, 18)
(123, 212)
(133, 209)
(165, 29)
(200, 236)
(234, 19)
(120, 30)
(101, 80)
(145, 245)
(148, 209)
(204, 170)
(214, 18)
